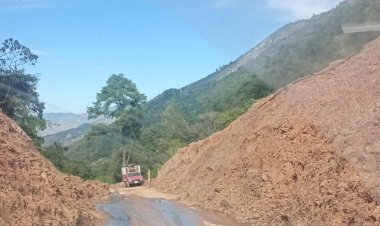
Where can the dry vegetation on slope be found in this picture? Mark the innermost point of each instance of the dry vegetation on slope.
(307, 155)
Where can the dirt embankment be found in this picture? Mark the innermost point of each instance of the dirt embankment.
(33, 192)
(307, 155)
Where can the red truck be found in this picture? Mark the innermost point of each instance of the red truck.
(132, 175)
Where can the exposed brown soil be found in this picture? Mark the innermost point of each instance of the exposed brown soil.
(307, 155)
(33, 192)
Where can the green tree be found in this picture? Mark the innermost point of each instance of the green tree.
(174, 122)
(120, 99)
(19, 98)
(118, 95)
(205, 124)
(225, 118)
(55, 153)
(176, 131)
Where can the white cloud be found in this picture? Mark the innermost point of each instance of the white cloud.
(302, 9)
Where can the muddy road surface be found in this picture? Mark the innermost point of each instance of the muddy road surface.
(145, 207)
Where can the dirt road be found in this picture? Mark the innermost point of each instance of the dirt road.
(145, 207)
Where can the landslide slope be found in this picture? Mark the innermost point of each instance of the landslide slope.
(33, 192)
(306, 155)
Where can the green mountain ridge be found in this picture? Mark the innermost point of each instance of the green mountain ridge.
(210, 104)
(295, 50)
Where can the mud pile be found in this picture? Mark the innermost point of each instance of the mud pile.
(306, 155)
(33, 192)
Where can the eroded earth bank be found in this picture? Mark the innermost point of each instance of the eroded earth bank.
(33, 192)
(306, 155)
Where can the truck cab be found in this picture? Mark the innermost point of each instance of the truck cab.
(132, 175)
(134, 178)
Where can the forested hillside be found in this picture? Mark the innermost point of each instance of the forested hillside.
(178, 117)
(152, 143)
(297, 49)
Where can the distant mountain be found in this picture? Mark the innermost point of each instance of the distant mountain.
(58, 122)
(296, 50)
(66, 128)
(69, 136)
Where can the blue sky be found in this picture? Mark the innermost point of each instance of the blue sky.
(159, 44)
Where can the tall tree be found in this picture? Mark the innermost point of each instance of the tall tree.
(118, 95)
(174, 122)
(19, 98)
(175, 129)
(120, 99)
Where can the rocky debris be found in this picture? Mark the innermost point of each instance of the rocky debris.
(306, 155)
(33, 192)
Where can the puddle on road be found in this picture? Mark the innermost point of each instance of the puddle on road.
(128, 212)
(115, 211)
(135, 210)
